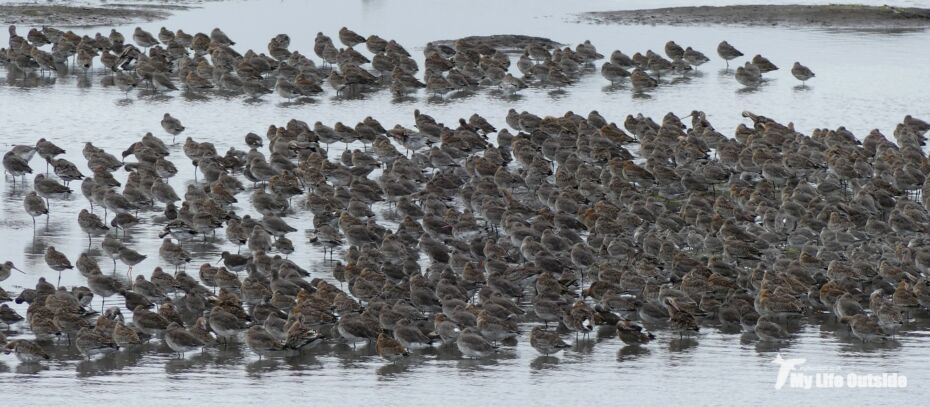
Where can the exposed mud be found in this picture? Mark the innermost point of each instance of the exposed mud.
(823, 16)
(61, 15)
(503, 42)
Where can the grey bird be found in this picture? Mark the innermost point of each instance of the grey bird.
(473, 345)
(91, 343)
(173, 253)
(545, 341)
(728, 52)
(180, 340)
(66, 170)
(144, 38)
(57, 261)
(261, 342)
(171, 125)
(130, 258)
(104, 286)
(15, 165)
(91, 224)
(6, 269)
(34, 206)
(49, 188)
(801, 72)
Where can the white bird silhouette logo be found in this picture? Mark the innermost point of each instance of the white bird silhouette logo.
(785, 366)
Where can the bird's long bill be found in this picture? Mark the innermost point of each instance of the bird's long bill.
(17, 269)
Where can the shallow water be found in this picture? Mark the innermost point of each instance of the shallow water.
(864, 80)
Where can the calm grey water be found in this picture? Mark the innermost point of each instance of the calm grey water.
(864, 80)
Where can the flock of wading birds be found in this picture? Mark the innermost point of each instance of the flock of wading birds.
(557, 222)
(202, 61)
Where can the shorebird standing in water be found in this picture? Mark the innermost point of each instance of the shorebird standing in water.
(172, 126)
(15, 165)
(181, 340)
(764, 64)
(144, 38)
(674, 51)
(801, 72)
(35, 206)
(728, 52)
(130, 258)
(694, 57)
(389, 348)
(748, 75)
(57, 261)
(49, 188)
(26, 351)
(613, 72)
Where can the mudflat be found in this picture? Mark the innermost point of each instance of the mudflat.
(829, 16)
(82, 16)
(503, 42)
